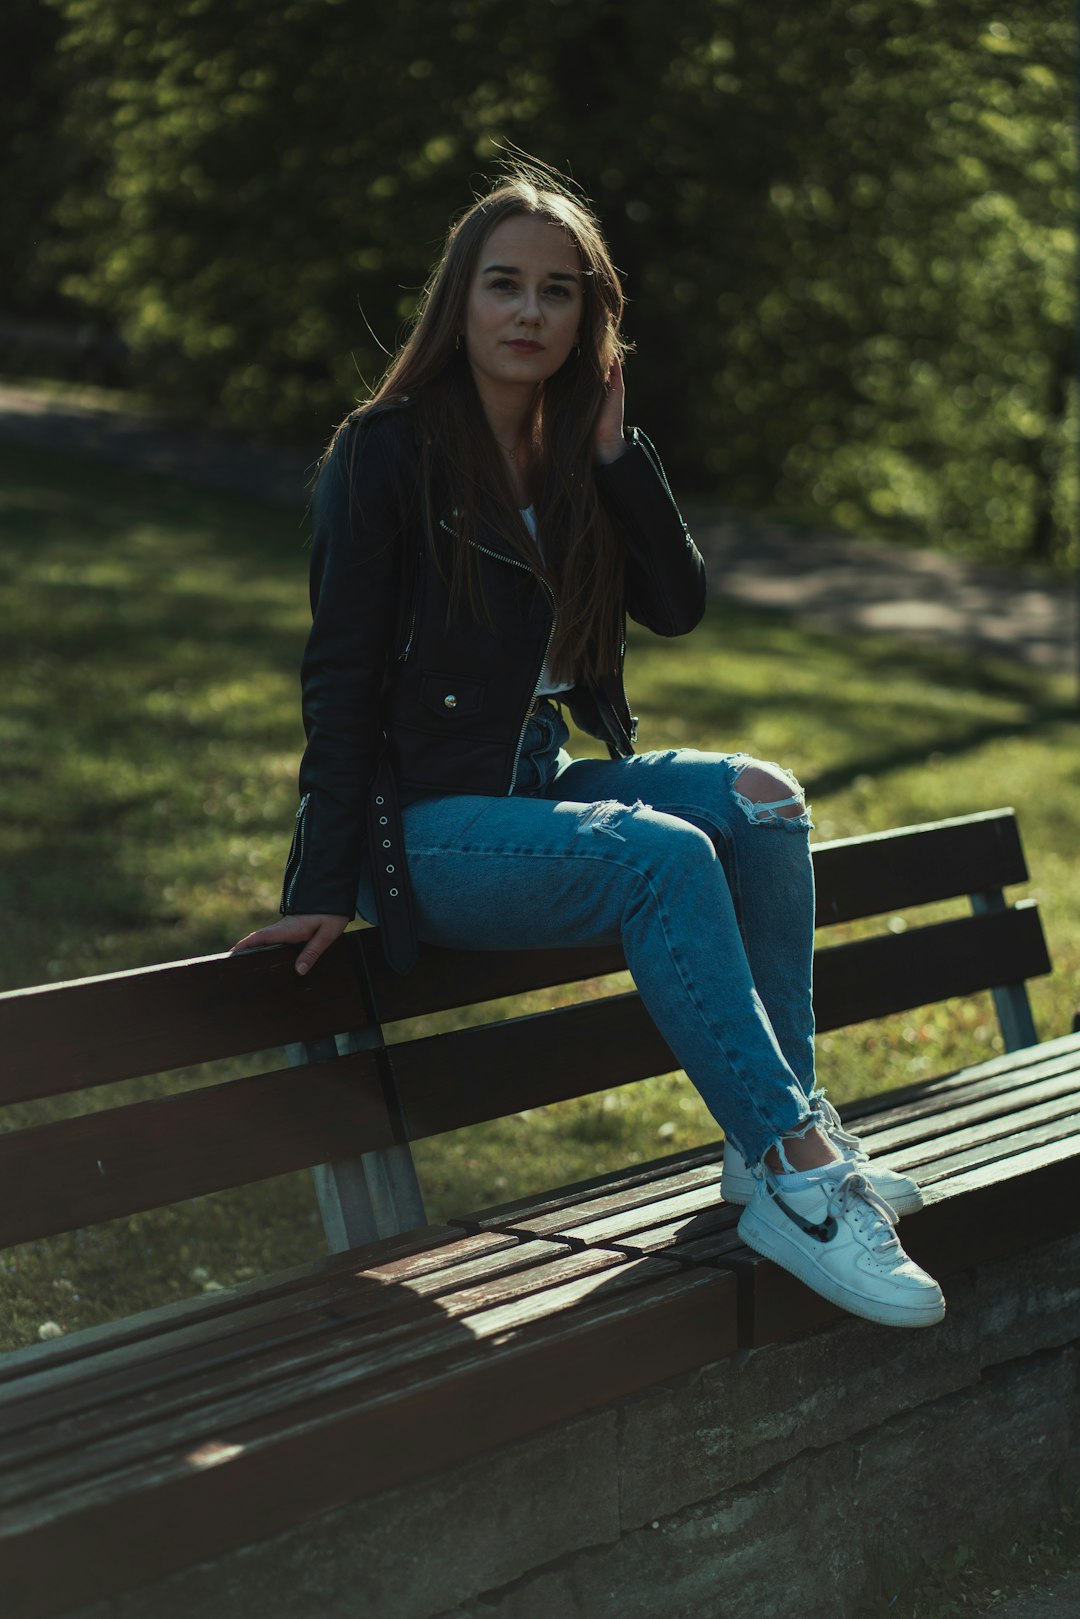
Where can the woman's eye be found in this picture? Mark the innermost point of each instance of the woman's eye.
(559, 291)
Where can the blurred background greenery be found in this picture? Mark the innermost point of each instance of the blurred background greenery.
(847, 227)
(848, 238)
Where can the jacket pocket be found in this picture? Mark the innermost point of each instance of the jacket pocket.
(452, 696)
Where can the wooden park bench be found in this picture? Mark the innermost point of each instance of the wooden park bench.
(170, 1438)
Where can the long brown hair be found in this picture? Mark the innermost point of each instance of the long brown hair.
(582, 561)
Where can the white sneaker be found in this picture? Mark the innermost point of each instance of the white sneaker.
(900, 1192)
(829, 1228)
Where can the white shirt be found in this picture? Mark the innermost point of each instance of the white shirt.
(548, 686)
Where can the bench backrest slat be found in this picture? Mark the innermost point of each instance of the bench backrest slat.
(870, 978)
(890, 871)
(854, 878)
(117, 1161)
(331, 1111)
(470, 1075)
(501, 1068)
(66, 1037)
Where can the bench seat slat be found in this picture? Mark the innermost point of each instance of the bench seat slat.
(1001, 1111)
(101, 1165)
(706, 1238)
(1049, 1057)
(24, 1371)
(606, 1202)
(996, 1153)
(262, 1369)
(602, 1219)
(584, 1281)
(645, 1180)
(286, 1322)
(495, 1385)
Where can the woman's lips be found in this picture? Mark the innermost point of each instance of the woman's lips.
(523, 345)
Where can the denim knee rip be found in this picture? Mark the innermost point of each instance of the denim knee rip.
(606, 816)
(762, 812)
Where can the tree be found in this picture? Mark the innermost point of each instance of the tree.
(846, 228)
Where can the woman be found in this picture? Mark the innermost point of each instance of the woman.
(481, 528)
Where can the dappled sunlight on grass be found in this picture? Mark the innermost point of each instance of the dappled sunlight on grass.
(151, 738)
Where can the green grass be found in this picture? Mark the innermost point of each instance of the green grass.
(150, 736)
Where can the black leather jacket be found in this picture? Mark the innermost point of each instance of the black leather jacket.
(394, 695)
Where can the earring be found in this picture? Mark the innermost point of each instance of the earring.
(457, 341)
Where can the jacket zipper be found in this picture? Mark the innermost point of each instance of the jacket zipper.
(532, 699)
(297, 848)
(403, 656)
(515, 563)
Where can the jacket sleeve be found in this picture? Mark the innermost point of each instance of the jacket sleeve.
(665, 573)
(355, 580)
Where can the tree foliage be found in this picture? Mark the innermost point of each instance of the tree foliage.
(846, 227)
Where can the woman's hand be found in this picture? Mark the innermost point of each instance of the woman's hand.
(609, 440)
(319, 932)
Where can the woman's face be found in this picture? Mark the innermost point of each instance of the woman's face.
(525, 303)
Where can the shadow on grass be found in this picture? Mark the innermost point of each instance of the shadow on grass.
(870, 704)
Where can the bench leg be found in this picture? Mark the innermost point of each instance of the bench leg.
(375, 1195)
(1010, 1000)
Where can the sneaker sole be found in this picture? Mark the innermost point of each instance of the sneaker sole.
(762, 1238)
(740, 1196)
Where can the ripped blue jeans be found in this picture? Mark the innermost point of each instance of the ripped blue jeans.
(709, 888)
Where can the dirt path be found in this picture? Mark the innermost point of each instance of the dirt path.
(838, 584)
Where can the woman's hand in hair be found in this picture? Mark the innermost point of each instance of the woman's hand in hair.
(316, 933)
(610, 443)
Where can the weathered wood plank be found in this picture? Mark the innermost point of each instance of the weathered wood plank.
(23, 1370)
(98, 1166)
(612, 1219)
(289, 1321)
(494, 1388)
(982, 1129)
(64, 1037)
(910, 866)
(270, 1365)
(1059, 1055)
(656, 1171)
(486, 1072)
(871, 978)
(854, 877)
(1000, 1157)
(445, 979)
(608, 1197)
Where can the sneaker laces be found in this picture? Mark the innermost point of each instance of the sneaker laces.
(834, 1127)
(874, 1217)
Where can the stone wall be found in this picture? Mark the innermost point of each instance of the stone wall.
(792, 1482)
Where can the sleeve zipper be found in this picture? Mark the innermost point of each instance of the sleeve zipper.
(295, 853)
